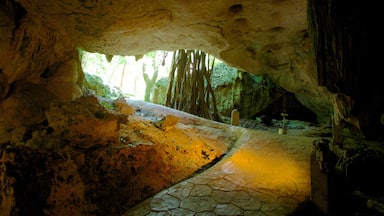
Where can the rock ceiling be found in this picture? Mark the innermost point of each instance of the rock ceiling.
(261, 37)
(222, 28)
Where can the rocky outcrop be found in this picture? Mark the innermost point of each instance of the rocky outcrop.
(255, 95)
(260, 37)
(344, 36)
(95, 83)
(86, 159)
(46, 168)
(257, 37)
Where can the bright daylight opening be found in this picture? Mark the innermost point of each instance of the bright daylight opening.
(182, 79)
(135, 77)
(125, 75)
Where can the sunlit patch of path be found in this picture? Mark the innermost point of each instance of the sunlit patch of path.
(264, 174)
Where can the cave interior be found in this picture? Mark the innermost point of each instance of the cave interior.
(325, 53)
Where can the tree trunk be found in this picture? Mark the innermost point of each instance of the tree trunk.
(189, 88)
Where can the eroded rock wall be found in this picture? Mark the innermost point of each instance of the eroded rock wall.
(259, 37)
(37, 66)
(86, 159)
(344, 36)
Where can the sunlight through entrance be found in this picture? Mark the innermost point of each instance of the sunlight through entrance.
(126, 74)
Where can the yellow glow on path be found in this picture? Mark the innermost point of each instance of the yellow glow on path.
(269, 168)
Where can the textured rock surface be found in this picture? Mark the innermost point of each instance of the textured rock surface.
(261, 37)
(85, 159)
(254, 95)
(46, 168)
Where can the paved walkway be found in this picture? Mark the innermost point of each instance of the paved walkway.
(264, 174)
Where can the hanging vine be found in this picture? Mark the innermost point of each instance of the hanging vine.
(189, 88)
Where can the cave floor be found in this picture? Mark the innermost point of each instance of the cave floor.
(265, 173)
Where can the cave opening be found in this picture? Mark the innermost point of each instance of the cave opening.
(71, 156)
(117, 75)
(147, 77)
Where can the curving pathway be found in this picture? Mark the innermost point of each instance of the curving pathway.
(264, 174)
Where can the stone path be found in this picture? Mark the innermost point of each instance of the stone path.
(264, 174)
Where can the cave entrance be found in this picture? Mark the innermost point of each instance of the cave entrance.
(115, 76)
(147, 78)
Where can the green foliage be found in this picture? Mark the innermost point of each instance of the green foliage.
(95, 83)
(121, 59)
(94, 62)
(151, 54)
(223, 75)
(107, 105)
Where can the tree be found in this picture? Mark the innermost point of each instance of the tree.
(150, 82)
(189, 86)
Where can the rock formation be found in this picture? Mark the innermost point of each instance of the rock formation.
(329, 63)
(265, 37)
(259, 37)
(87, 159)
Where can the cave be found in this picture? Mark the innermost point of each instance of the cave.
(66, 151)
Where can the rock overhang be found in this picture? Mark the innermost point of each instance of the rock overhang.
(132, 27)
(261, 37)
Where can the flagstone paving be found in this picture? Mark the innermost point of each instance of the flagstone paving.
(264, 174)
